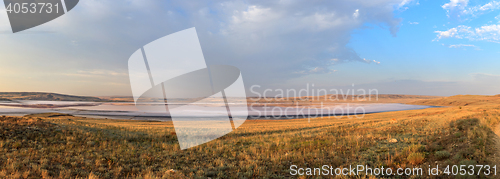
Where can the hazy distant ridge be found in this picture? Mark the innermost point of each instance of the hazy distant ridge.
(8, 96)
(460, 100)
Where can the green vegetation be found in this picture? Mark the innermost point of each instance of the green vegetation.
(440, 155)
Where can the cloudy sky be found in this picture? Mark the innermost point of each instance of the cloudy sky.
(426, 47)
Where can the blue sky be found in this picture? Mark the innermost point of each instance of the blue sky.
(425, 47)
(417, 53)
(416, 49)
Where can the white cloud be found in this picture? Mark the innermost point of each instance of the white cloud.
(102, 72)
(490, 6)
(489, 79)
(356, 13)
(405, 2)
(267, 40)
(447, 34)
(460, 45)
(489, 33)
(493, 5)
(463, 46)
(459, 8)
(316, 70)
(458, 32)
(413, 23)
(370, 61)
(97, 73)
(254, 14)
(455, 7)
(455, 4)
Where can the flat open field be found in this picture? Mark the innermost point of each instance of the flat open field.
(335, 99)
(53, 146)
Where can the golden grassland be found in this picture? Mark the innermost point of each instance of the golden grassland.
(340, 98)
(460, 100)
(61, 146)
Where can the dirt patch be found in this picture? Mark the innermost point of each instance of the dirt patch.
(49, 115)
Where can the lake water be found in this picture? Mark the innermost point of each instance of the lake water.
(127, 110)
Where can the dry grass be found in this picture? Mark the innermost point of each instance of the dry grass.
(340, 98)
(416, 158)
(72, 147)
(460, 100)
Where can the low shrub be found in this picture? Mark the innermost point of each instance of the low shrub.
(440, 155)
(416, 158)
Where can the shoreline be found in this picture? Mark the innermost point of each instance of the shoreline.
(134, 115)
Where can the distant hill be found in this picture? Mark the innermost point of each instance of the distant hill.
(381, 98)
(3, 99)
(387, 98)
(9, 96)
(460, 100)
